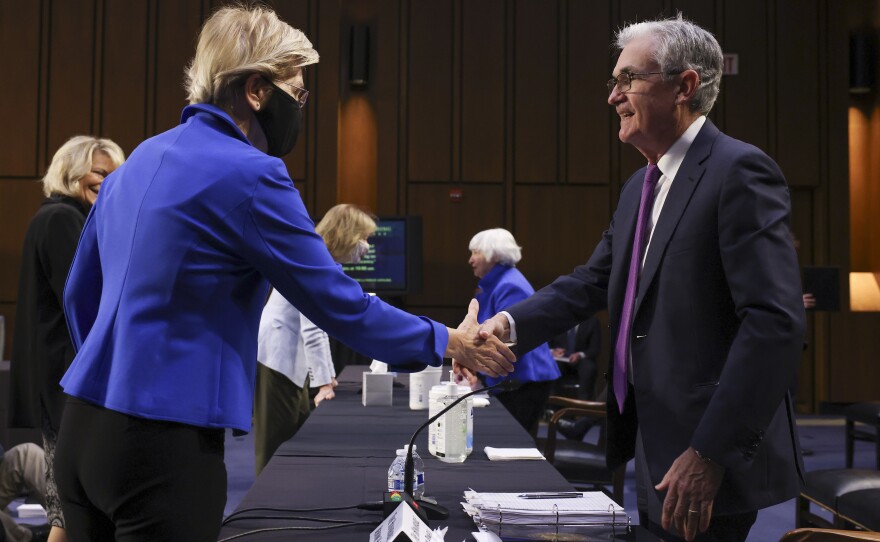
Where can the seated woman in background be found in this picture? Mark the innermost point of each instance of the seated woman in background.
(294, 354)
(41, 349)
(494, 255)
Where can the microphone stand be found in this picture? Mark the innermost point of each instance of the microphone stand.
(435, 511)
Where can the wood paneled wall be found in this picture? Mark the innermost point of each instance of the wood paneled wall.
(503, 101)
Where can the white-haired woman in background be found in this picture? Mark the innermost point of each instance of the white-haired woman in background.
(183, 244)
(494, 255)
(41, 349)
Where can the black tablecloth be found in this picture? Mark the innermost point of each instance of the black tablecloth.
(340, 457)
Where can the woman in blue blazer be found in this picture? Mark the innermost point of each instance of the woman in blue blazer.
(494, 255)
(182, 246)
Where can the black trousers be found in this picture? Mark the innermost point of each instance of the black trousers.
(131, 479)
(527, 403)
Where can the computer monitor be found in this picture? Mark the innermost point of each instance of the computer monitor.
(393, 265)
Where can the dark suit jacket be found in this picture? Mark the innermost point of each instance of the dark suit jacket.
(41, 349)
(718, 323)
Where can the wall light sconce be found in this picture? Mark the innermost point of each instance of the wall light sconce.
(359, 56)
(862, 61)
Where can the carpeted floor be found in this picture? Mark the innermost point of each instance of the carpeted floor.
(822, 435)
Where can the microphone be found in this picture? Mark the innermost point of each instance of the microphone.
(433, 510)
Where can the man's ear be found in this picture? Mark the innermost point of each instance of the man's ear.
(687, 87)
(255, 91)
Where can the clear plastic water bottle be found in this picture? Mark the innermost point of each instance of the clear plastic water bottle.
(396, 472)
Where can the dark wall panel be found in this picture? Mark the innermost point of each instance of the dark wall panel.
(124, 78)
(698, 11)
(558, 228)
(536, 91)
(590, 60)
(746, 96)
(797, 129)
(296, 14)
(429, 107)
(482, 93)
(20, 58)
(178, 26)
(448, 227)
(21, 199)
(73, 67)
(639, 10)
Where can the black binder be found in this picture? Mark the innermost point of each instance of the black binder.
(824, 284)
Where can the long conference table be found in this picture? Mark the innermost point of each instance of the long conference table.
(340, 458)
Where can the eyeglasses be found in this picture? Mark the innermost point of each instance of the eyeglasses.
(299, 94)
(624, 80)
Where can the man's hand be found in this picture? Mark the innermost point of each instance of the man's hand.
(809, 301)
(480, 355)
(325, 392)
(497, 326)
(557, 352)
(690, 484)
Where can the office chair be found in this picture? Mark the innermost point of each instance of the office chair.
(581, 463)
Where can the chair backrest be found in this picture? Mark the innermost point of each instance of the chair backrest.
(573, 408)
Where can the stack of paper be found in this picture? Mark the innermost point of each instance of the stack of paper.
(544, 512)
(507, 454)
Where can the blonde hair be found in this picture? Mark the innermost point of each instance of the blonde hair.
(497, 245)
(342, 227)
(73, 161)
(241, 40)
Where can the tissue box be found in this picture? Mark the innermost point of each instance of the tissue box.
(377, 389)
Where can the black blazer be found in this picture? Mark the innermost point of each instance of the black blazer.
(41, 348)
(718, 324)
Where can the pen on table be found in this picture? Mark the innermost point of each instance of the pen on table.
(559, 495)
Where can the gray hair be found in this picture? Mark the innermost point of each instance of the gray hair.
(238, 41)
(497, 245)
(682, 45)
(73, 161)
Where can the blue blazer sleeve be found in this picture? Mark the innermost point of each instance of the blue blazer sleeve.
(82, 291)
(280, 240)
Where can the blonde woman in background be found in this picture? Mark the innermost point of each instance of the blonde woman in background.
(294, 354)
(41, 349)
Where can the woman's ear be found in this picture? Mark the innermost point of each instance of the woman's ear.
(255, 91)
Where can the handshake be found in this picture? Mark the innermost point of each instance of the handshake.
(476, 348)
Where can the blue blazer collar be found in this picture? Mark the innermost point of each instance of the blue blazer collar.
(220, 116)
(493, 276)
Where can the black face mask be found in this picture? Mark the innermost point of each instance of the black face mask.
(280, 119)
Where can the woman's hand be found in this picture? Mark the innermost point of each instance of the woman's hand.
(488, 355)
(325, 392)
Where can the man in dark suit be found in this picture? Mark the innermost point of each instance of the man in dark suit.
(708, 337)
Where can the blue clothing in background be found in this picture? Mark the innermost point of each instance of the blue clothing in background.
(500, 288)
(173, 267)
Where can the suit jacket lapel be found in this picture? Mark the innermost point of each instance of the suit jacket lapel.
(685, 182)
(624, 230)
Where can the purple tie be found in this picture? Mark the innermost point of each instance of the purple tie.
(621, 347)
